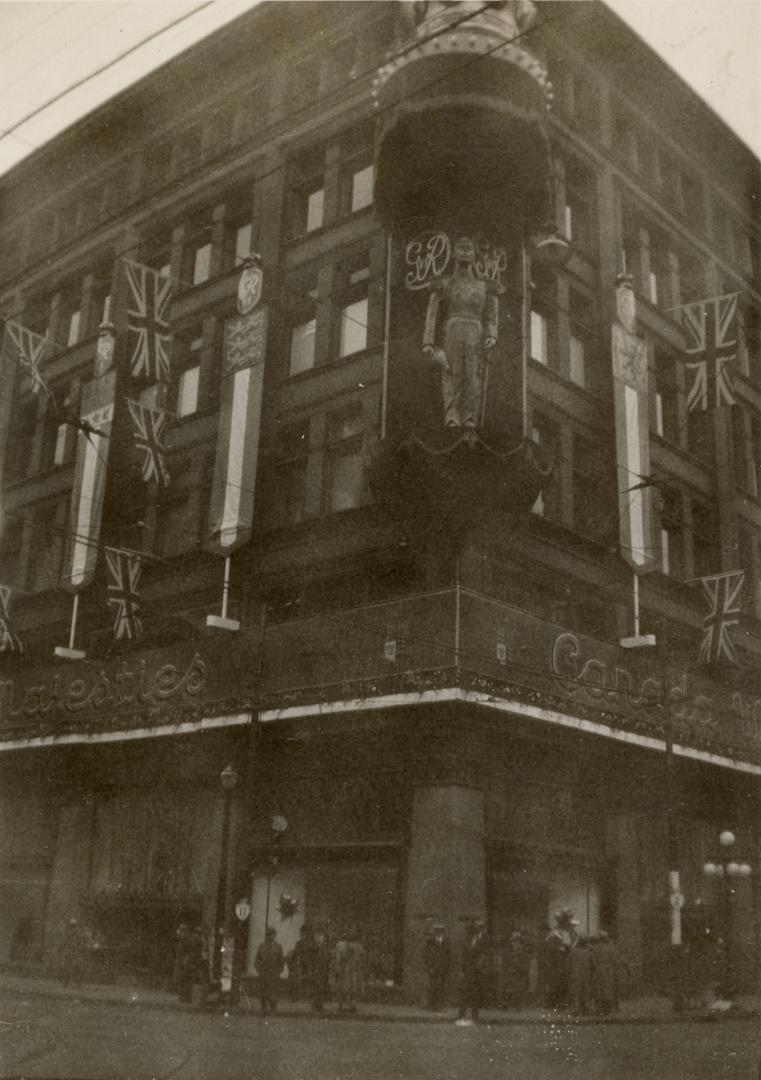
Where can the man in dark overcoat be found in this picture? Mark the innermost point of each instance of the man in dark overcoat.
(476, 961)
(437, 957)
(269, 963)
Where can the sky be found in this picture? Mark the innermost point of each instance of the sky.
(47, 46)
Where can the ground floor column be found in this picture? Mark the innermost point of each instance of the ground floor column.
(70, 875)
(446, 875)
(623, 847)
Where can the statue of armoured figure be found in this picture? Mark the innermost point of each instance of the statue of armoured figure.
(467, 332)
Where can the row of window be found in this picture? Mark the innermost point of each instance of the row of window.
(169, 157)
(315, 467)
(682, 191)
(687, 528)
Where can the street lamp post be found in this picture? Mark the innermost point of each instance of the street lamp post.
(727, 870)
(228, 778)
(278, 827)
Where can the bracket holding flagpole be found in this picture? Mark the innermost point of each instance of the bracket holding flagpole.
(222, 622)
(637, 641)
(70, 653)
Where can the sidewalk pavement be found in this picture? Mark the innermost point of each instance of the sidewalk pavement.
(633, 1011)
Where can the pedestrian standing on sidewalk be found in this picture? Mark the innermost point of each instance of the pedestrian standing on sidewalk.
(319, 970)
(437, 957)
(350, 971)
(580, 977)
(604, 969)
(516, 965)
(269, 963)
(475, 973)
(298, 963)
(555, 953)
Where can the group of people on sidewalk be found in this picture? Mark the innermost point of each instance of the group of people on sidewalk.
(570, 971)
(312, 968)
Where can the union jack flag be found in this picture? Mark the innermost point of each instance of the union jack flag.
(148, 432)
(148, 321)
(722, 591)
(28, 349)
(9, 641)
(711, 330)
(125, 569)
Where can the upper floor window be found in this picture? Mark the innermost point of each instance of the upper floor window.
(242, 239)
(581, 336)
(343, 464)
(669, 505)
(289, 480)
(307, 196)
(157, 251)
(362, 188)
(353, 311)
(579, 215)
(691, 278)
(755, 451)
(591, 497)
(700, 435)
(302, 334)
(187, 372)
(546, 434)
(22, 433)
(705, 542)
(70, 318)
(740, 447)
(666, 397)
(197, 252)
(539, 336)
(11, 542)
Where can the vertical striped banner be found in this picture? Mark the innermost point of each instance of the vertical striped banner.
(89, 487)
(231, 512)
(630, 411)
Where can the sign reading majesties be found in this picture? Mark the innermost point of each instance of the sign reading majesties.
(143, 689)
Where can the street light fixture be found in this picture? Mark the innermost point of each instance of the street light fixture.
(228, 778)
(278, 829)
(725, 871)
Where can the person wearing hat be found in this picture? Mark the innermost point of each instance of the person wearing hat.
(555, 952)
(269, 963)
(475, 973)
(437, 957)
(516, 964)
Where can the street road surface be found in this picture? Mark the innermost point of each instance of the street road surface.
(46, 1038)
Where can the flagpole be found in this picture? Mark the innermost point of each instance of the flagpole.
(222, 622)
(70, 653)
(226, 587)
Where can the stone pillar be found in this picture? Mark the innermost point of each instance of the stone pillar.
(70, 875)
(446, 870)
(622, 842)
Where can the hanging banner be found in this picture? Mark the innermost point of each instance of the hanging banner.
(630, 410)
(231, 511)
(89, 487)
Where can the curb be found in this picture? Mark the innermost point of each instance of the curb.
(368, 1015)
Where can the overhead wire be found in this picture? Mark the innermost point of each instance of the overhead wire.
(103, 67)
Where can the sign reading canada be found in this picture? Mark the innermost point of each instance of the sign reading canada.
(161, 686)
